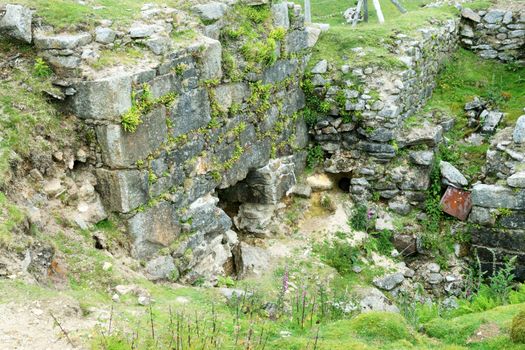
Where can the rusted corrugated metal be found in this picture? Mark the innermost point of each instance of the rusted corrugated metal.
(457, 203)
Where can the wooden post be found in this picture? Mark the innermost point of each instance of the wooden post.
(357, 12)
(307, 11)
(365, 12)
(380, 16)
(399, 6)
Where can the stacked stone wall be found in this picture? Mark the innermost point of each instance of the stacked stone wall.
(202, 128)
(496, 34)
(365, 132)
(498, 214)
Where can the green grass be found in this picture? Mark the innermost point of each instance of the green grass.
(66, 13)
(24, 110)
(458, 330)
(373, 37)
(11, 223)
(464, 77)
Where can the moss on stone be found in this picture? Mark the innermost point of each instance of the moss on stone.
(517, 329)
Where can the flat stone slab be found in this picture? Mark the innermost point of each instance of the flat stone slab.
(517, 180)
(61, 41)
(457, 203)
(495, 196)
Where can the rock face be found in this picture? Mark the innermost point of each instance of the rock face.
(16, 23)
(201, 136)
(495, 34)
(499, 209)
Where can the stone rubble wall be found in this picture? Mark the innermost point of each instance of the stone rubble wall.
(201, 128)
(498, 213)
(497, 34)
(375, 144)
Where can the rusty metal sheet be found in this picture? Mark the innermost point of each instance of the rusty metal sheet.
(457, 203)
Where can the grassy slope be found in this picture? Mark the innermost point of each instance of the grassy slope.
(63, 13)
(464, 77)
(457, 331)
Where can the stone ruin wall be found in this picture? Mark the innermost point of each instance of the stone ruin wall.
(496, 34)
(202, 130)
(387, 158)
(368, 147)
(498, 213)
(192, 149)
(207, 135)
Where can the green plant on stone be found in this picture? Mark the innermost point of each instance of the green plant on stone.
(41, 68)
(314, 157)
(180, 68)
(310, 117)
(142, 104)
(324, 107)
(501, 281)
(359, 219)
(225, 281)
(383, 241)
(278, 34)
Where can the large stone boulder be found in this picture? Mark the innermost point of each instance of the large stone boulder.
(371, 299)
(210, 58)
(519, 130)
(191, 111)
(122, 149)
(451, 175)
(517, 180)
(471, 15)
(495, 196)
(47, 41)
(16, 23)
(107, 98)
(494, 16)
(211, 11)
(154, 228)
(266, 185)
(161, 268)
(280, 16)
(426, 134)
(389, 282)
(255, 218)
(122, 190)
(250, 259)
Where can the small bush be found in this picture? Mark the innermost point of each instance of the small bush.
(359, 218)
(339, 255)
(41, 69)
(314, 157)
(310, 117)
